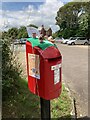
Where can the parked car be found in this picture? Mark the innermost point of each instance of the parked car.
(88, 41)
(23, 40)
(17, 41)
(78, 40)
(66, 40)
(59, 39)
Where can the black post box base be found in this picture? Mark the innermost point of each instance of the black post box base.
(45, 109)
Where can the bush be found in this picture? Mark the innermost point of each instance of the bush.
(10, 70)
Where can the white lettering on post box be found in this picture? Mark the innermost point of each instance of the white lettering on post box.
(33, 62)
(56, 69)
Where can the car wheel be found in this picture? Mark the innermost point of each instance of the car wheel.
(85, 43)
(72, 43)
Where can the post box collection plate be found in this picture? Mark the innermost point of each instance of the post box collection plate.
(56, 69)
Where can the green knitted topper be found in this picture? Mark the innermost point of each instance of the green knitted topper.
(35, 42)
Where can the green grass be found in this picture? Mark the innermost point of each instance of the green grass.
(62, 106)
(24, 104)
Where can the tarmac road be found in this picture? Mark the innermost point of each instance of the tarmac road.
(75, 74)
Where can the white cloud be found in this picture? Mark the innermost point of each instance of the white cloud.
(45, 14)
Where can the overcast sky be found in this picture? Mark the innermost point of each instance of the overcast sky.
(16, 14)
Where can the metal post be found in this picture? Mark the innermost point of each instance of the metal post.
(45, 109)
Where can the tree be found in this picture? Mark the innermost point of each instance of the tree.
(74, 17)
(87, 9)
(4, 35)
(12, 33)
(83, 25)
(67, 16)
(32, 25)
(22, 32)
(0, 34)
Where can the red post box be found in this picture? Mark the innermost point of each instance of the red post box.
(44, 71)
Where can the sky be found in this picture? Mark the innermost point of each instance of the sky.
(16, 14)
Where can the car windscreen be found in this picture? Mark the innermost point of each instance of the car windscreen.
(73, 38)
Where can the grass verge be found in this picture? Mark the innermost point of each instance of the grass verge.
(24, 104)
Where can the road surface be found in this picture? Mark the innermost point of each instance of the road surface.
(75, 74)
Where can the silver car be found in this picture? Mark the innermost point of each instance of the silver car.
(78, 40)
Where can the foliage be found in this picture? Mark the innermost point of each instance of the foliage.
(73, 19)
(15, 33)
(0, 34)
(10, 69)
(67, 15)
(22, 32)
(27, 105)
(12, 33)
(67, 33)
(32, 25)
(4, 35)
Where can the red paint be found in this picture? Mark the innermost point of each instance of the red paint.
(45, 87)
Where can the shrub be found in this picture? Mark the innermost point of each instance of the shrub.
(10, 70)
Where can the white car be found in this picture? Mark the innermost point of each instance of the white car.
(66, 40)
(89, 41)
(78, 40)
(60, 40)
(16, 42)
(23, 40)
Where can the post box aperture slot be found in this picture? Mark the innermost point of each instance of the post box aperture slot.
(58, 58)
(50, 52)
